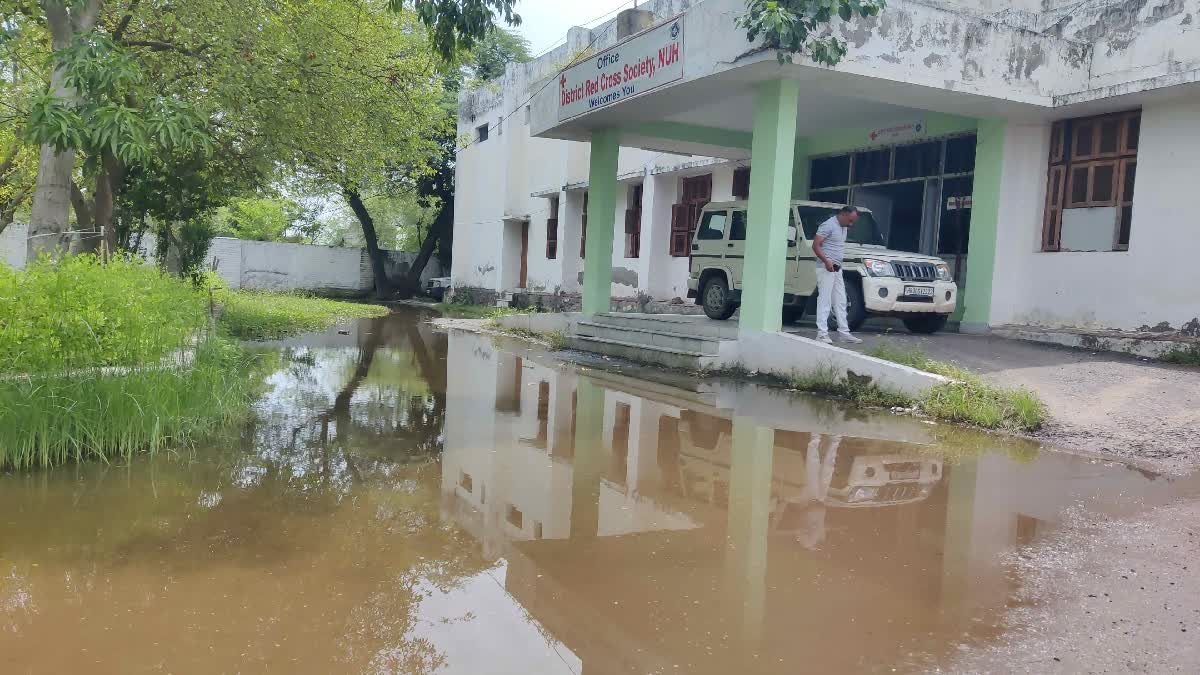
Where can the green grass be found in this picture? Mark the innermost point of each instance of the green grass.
(1182, 356)
(47, 420)
(454, 310)
(969, 398)
(84, 313)
(826, 381)
(257, 315)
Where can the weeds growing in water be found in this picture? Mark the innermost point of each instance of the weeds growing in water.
(46, 420)
(255, 315)
(969, 398)
(863, 392)
(454, 310)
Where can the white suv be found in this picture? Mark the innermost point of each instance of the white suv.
(918, 289)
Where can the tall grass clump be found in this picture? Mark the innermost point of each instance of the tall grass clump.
(260, 315)
(82, 312)
(47, 420)
(968, 398)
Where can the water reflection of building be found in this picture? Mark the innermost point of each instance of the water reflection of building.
(647, 526)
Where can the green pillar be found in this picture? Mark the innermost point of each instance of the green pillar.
(601, 218)
(771, 155)
(587, 467)
(976, 299)
(749, 516)
(801, 169)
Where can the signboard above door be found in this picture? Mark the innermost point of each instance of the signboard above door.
(644, 62)
(898, 133)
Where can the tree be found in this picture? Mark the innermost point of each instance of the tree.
(790, 25)
(485, 63)
(456, 25)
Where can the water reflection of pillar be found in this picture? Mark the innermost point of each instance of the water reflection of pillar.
(753, 451)
(957, 542)
(587, 468)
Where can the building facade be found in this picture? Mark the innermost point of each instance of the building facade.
(1043, 149)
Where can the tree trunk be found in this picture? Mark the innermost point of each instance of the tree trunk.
(383, 286)
(412, 281)
(48, 224)
(86, 242)
(112, 174)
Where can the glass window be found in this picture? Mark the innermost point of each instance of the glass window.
(872, 166)
(811, 218)
(827, 172)
(960, 154)
(737, 230)
(918, 161)
(712, 226)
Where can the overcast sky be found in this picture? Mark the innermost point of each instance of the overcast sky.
(544, 22)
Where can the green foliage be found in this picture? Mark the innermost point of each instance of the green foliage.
(1183, 356)
(254, 315)
(50, 420)
(83, 313)
(969, 398)
(102, 116)
(456, 25)
(826, 381)
(496, 50)
(258, 219)
(795, 26)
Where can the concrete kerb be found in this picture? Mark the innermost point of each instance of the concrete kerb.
(782, 355)
(785, 355)
(541, 324)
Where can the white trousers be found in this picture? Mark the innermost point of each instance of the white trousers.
(831, 290)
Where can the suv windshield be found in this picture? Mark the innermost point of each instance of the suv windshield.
(864, 230)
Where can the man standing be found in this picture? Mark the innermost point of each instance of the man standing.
(829, 245)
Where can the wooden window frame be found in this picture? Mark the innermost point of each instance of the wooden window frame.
(694, 194)
(741, 183)
(1065, 164)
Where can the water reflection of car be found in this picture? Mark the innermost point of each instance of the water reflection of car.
(882, 480)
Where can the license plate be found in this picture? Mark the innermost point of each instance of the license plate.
(904, 475)
(924, 291)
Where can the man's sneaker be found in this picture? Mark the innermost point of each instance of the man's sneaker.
(824, 337)
(846, 337)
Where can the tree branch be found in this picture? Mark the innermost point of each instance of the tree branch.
(119, 31)
(158, 46)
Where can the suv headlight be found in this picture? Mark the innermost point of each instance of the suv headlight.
(878, 268)
(943, 271)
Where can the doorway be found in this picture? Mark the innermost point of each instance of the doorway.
(524, 276)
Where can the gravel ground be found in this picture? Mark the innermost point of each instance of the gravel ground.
(1104, 596)
(1098, 402)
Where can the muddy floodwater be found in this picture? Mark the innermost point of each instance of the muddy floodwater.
(408, 501)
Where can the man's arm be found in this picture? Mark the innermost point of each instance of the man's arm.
(820, 252)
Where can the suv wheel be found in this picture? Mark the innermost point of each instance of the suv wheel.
(856, 309)
(715, 298)
(926, 323)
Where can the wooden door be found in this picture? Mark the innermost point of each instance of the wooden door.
(524, 255)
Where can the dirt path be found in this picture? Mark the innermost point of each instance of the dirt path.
(1098, 402)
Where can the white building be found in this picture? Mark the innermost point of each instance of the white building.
(1009, 138)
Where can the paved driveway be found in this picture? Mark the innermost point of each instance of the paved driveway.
(1098, 401)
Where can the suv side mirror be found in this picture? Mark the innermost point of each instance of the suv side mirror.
(793, 235)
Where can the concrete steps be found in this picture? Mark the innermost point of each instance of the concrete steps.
(690, 324)
(670, 340)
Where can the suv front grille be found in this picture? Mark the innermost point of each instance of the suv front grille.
(915, 271)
